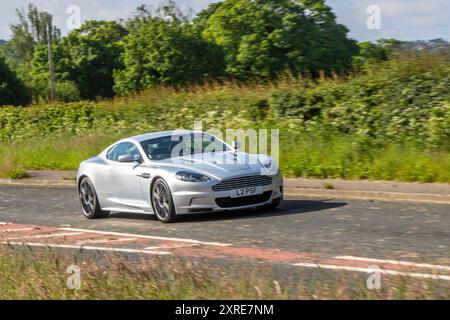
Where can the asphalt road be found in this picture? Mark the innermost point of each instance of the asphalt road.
(324, 227)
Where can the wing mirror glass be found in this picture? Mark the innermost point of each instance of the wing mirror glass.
(127, 158)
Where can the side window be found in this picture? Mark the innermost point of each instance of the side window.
(134, 152)
(111, 153)
(125, 148)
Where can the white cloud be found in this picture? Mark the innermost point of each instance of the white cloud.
(402, 19)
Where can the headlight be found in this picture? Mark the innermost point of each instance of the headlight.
(268, 166)
(267, 163)
(192, 177)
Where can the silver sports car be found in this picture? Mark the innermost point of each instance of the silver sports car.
(172, 173)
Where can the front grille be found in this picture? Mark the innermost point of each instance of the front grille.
(243, 182)
(244, 201)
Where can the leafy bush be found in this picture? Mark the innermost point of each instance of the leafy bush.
(403, 100)
(390, 123)
(10, 167)
(17, 174)
(12, 90)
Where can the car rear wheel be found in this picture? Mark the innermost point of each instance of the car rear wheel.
(163, 202)
(90, 205)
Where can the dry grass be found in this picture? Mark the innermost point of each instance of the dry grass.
(35, 274)
(11, 168)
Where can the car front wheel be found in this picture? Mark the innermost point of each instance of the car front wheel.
(89, 201)
(162, 202)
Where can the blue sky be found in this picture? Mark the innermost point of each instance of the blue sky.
(401, 19)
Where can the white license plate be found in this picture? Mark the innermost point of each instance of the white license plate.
(246, 192)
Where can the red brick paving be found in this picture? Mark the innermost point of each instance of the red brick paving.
(29, 234)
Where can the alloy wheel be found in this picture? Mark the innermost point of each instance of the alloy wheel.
(87, 198)
(161, 200)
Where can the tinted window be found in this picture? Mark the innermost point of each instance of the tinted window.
(110, 154)
(126, 148)
(168, 147)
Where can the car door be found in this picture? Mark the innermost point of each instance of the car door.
(124, 176)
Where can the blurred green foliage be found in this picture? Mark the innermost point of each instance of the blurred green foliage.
(371, 111)
(264, 38)
(166, 49)
(12, 90)
(85, 61)
(235, 39)
(391, 122)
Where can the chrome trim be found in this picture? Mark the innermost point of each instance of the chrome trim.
(243, 182)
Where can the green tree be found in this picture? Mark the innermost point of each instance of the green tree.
(85, 59)
(91, 54)
(12, 90)
(165, 48)
(371, 53)
(39, 77)
(201, 19)
(31, 30)
(262, 38)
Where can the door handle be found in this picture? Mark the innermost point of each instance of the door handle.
(144, 175)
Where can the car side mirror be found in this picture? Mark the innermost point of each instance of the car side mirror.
(126, 158)
(236, 145)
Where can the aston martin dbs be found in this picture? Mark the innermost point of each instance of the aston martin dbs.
(173, 173)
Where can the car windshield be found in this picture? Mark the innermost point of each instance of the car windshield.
(181, 145)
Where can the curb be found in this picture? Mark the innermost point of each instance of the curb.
(290, 192)
(38, 183)
(370, 195)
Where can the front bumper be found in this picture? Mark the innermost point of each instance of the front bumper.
(201, 198)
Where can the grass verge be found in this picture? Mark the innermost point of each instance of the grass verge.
(300, 156)
(27, 273)
(10, 167)
(374, 125)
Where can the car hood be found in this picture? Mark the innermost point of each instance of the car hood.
(220, 165)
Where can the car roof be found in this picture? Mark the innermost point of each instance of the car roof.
(154, 135)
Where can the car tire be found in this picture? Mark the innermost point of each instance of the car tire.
(162, 202)
(90, 206)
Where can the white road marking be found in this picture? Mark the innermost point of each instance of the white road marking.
(172, 247)
(15, 230)
(80, 247)
(40, 236)
(396, 262)
(370, 270)
(4, 223)
(148, 237)
(106, 240)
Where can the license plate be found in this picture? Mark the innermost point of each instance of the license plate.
(246, 192)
